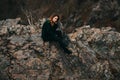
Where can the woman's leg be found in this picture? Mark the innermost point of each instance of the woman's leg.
(62, 44)
(64, 47)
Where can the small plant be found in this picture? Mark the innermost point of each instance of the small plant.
(29, 16)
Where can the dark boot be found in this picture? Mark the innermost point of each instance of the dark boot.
(67, 51)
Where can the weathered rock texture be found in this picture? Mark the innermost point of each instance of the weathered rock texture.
(97, 13)
(104, 13)
(96, 54)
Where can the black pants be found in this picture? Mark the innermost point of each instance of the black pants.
(59, 39)
(61, 42)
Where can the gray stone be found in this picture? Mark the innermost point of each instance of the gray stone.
(95, 55)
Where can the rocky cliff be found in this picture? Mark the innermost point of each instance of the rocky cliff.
(97, 13)
(96, 54)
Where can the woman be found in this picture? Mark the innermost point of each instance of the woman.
(51, 32)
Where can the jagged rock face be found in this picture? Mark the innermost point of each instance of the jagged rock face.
(23, 56)
(97, 13)
(104, 12)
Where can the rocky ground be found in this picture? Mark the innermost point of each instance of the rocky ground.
(96, 54)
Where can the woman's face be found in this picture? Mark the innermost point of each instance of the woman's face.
(55, 19)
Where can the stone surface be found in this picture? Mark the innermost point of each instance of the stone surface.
(23, 57)
(104, 13)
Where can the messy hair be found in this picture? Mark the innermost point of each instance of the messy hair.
(53, 15)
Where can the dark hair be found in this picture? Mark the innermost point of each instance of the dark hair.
(53, 15)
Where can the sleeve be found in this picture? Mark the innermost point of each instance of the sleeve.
(49, 31)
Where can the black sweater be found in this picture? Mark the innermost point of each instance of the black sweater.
(49, 31)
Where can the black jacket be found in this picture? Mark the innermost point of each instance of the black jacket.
(49, 32)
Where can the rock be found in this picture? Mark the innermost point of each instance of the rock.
(19, 55)
(32, 29)
(95, 54)
(3, 30)
(4, 67)
(17, 40)
(103, 12)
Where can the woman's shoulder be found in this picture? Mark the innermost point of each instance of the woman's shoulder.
(47, 21)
